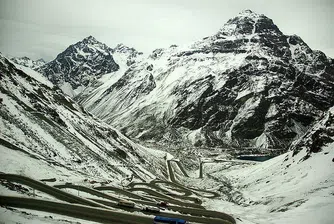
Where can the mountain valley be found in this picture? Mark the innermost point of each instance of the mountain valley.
(99, 126)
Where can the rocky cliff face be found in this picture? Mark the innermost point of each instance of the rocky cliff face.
(125, 57)
(27, 62)
(318, 137)
(79, 64)
(128, 54)
(247, 85)
(44, 133)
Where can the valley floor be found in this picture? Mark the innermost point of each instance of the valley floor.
(284, 189)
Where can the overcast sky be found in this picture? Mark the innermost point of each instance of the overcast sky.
(44, 28)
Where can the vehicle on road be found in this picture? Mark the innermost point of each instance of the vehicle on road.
(151, 209)
(125, 203)
(163, 220)
(162, 204)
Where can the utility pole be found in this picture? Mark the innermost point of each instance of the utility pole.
(200, 167)
(200, 170)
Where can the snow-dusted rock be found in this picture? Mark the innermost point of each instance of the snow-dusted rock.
(27, 62)
(317, 137)
(45, 134)
(79, 64)
(247, 85)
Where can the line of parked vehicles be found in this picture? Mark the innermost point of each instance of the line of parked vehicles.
(129, 204)
(157, 219)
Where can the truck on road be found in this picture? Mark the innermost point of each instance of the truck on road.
(164, 220)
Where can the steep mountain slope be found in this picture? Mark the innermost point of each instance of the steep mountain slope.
(295, 187)
(27, 62)
(125, 57)
(247, 85)
(321, 135)
(286, 189)
(73, 69)
(44, 134)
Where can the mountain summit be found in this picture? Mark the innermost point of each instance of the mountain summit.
(249, 22)
(249, 85)
(80, 63)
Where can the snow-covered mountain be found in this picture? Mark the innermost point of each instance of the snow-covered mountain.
(247, 85)
(44, 134)
(27, 62)
(125, 57)
(73, 69)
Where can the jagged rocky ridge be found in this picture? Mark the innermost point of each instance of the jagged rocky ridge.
(42, 126)
(128, 54)
(79, 64)
(27, 62)
(247, 85)
(317, 137)
(125, 57)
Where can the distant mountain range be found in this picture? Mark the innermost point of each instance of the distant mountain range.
(27, 62)
(249, 85)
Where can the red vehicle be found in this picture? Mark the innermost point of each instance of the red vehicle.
(162, 204)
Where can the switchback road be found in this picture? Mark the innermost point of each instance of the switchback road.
(102, 207)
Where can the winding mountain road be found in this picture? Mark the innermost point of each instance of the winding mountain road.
(105, 210)
(37, 185)
(77, 211)
(193, 190)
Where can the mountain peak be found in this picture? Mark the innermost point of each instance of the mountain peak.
(74, 68)
(41, 60)
(90, 39)
(121, 48)
(87, 46)
(248, 22)
(248, 13)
